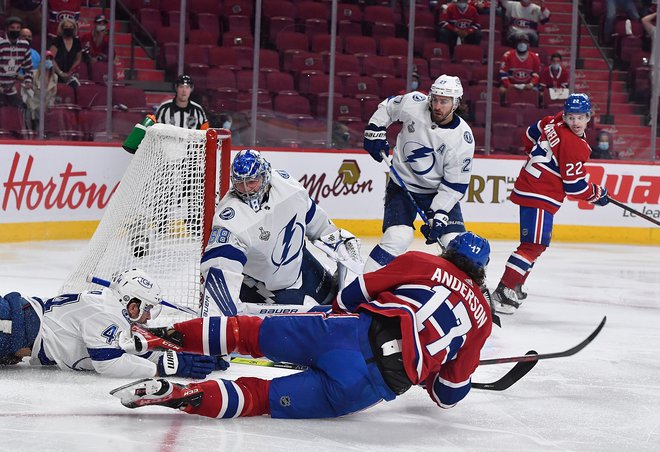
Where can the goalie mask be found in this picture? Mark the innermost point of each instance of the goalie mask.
(136, 287)
(250, 177)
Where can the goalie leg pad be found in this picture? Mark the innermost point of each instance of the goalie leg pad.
(221, 291)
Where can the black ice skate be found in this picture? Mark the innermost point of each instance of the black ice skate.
(505, 300)
(520, 292)
(152, 391)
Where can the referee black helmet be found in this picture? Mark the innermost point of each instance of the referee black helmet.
(183, 79)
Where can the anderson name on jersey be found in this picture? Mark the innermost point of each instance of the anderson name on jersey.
(266, 245)
(445, 320)
(429, 157)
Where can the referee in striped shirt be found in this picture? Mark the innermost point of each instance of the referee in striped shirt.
(181, 111)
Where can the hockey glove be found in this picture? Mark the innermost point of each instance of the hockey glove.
(221, 363)
(185, 365)
(599, 196)
(375, 141)
(437, 228)
(342, 246)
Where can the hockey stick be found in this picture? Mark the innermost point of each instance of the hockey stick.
(421, 213)
(169, 304)
(631, 210)
(527, 357)
(516, 373)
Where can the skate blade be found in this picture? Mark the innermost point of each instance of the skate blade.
(130, 393)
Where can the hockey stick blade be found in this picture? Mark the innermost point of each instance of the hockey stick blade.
(633, 211)
(511, 377)
(569, 352)
(266, 363)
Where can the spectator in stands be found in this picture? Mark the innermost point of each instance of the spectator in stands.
(181, 111)
(29, 11)
(520, 68)
(67, 51)
(26, 35)
(14, 57)
(59, 10)
(32, 96)
(603, 148)
(95, 43)
(611, 9)
(414, 85)
(524, 17)
(648, 22)
(483, 6)
(459, 20)
(341, 136)
(554, 80)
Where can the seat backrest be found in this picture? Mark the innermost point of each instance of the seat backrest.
(129, 96)
(91, 95)
(360, 45)
(287, 40)
(312, 10)
(360, 84)
(393, 46)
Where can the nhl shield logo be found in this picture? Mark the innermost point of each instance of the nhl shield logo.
(285, 401)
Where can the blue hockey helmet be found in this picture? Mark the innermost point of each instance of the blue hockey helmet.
(248, 168)
(472, 247)
(577, 103)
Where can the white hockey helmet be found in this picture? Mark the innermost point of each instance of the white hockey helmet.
(448, 86)
(135, 285)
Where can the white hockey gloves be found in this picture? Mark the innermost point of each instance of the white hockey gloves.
(343, 247)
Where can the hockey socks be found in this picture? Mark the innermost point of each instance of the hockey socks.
(520, 263)
(220, 336)
(229, 399)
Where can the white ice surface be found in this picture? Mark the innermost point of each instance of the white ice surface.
(606, 398)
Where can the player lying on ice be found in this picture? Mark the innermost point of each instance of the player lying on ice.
(257, 253)
(421, 320)
(81, 331)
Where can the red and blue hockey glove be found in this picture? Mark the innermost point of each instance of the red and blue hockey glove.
(599, 197)
(185, 365)
(375, 141)
(436, 230)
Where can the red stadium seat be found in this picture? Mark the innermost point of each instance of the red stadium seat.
(210, 24)
(279, 82)
(128, 96)
(292, 106)
(360, 86)
(392, 87)
(224, 57)
(91, 95)
(360, 45)
(468, 54)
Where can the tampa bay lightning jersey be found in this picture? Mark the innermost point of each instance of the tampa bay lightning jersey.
(266, 245)
(79, 332)
(429, 157)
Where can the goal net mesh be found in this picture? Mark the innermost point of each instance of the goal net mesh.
(155, 219)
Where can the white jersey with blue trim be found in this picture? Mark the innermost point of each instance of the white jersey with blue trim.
(266, 245)
(429, 157)
(79, 332)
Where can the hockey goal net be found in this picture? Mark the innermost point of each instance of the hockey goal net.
(160, 216)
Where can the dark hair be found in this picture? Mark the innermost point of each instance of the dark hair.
(475, 272)
(556, 55)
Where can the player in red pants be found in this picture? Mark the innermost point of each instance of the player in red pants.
(421, 320)
(554, 170)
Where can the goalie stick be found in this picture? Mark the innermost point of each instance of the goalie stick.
(631, 210)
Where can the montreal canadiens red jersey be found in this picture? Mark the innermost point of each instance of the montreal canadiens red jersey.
(554, 168)
(445, 319)
(453, 19)
(515, 71)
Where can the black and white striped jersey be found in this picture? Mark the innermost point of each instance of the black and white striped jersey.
(190, 117)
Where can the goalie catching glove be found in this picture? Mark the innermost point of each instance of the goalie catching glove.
(343, 247)
(188, 365)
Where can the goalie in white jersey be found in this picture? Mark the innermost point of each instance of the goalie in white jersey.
(82, 332)
(433, 155)
(257, 252)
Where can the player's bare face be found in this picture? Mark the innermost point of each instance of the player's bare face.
(183, 94)
(133, 309)
(249, 186)
(577, 122)
(441, 109)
